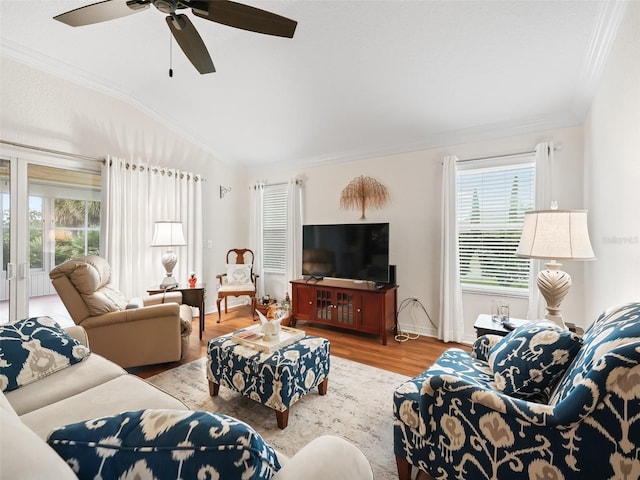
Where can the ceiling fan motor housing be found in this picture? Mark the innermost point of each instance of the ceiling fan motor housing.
(166, 6)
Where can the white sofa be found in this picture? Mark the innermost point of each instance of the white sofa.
(96, 387)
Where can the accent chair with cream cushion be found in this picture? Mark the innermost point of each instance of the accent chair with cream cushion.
(239, 279)
(131, 333)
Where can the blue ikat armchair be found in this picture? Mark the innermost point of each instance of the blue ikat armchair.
(540, 403)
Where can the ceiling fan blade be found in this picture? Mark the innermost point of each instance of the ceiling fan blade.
(245, 17)
(190, 42)
(100, 12)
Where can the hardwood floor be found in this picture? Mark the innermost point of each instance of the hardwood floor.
(407, 358)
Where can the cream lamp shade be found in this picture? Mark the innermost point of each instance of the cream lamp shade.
(168, 234)
(555, 235)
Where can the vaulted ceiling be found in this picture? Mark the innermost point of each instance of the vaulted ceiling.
(358, 79)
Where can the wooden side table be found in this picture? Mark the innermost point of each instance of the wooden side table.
(192, 296)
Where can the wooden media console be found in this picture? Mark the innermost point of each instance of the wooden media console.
(360, 306)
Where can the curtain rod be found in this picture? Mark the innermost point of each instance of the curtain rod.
(556, 148)
(53, 152)
(277, 184)
(71, 155)
(158, 169)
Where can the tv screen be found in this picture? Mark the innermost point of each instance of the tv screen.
(358, 251)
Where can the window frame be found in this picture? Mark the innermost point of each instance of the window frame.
(274, 196)
(48, 193)
(526, 160)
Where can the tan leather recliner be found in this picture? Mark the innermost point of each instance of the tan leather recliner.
(156, 331)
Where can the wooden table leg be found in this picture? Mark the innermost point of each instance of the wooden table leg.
(218, 307)
(201, 312)
(214, 388)
(404, 468)
(322, 387)
(282, 418)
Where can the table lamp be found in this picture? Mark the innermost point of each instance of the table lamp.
(168, 234)
(555, 235)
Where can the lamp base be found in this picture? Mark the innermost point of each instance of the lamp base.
(554, 285)
(168, 282)
(169, 260)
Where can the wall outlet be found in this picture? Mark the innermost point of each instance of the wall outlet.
(209, 243)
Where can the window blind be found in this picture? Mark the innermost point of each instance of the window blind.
(492, 197)
(274, 227)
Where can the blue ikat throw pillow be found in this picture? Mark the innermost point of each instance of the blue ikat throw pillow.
(33, 348)
(165, 444)
(530, 360)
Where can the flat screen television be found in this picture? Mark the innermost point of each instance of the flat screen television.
(357, 251)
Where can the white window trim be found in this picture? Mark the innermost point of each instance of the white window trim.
(497, 162)
(280, 189)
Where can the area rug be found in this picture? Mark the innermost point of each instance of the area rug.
(358, 406)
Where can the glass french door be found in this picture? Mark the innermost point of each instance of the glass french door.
(50, 213)
(7, 266)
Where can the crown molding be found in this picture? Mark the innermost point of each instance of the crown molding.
(602, 37)
(475, 134)
(80, 77)
(60, 69)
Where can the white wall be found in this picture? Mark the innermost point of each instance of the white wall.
(612, 151)
(40, 109)
(43, 110)
(414, 182)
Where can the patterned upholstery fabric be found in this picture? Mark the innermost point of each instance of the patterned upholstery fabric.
(482, 345)
(528, 362)
(277, 379)
(451, 422)
(33, 348)
(165, 444)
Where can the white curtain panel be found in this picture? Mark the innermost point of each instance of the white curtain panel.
(543, 199)
(255, 228)
(451, 321)
(293, 262)
(134, 197)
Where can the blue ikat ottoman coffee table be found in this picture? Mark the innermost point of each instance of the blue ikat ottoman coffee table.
(277, 379)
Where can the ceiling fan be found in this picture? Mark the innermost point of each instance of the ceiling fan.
(226, 12)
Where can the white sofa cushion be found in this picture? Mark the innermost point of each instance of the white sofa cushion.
(19, 446)
(120, 394)
(82, 376)
(326, 457)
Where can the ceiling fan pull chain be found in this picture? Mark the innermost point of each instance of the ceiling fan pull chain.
(171, 55)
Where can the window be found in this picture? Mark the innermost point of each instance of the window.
(274, 228)
(77, 228)
(64, 216)
(493, 195)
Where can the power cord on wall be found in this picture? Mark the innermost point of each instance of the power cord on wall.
(413, 302)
